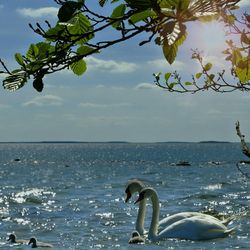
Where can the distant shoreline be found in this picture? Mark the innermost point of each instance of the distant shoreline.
(111, 142)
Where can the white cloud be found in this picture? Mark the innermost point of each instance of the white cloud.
(145, 85)
(110, 66)
(244, 3)
(97, 105)
(40, 12)
(1, 6)
(162, 64)
(46, 100)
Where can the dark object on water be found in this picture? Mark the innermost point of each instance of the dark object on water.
(244, 162)
(36, 243)
(136, 238)
(17, 159)
(12, 239)
(183, 163)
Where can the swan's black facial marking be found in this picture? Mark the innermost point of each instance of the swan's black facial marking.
(141, 197)
(128, 193)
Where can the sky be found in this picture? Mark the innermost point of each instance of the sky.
(116, 99)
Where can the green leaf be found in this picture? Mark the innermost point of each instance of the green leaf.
(242, 64)
(79, 67)
(117, 13)
(19, 59)
(33, 52)
(137, 17)
(183, 5)
(171, 85)
(243, 70)
(85, 50)
(168, 3)
(236, 56)
(81, 25)
(141, 4)
(188, 83)
(16, 80)
(211, 77)
(170, 51)
(198, 75)
(53, 33)
(208, 66)
(67, 11)
(230, 19)
(167, 76)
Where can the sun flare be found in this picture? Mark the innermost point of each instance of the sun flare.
(210, 37)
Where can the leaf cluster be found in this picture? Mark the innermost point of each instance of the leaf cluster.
(74, 37)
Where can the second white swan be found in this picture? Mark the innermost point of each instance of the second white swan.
(192, 228)
(135, 185)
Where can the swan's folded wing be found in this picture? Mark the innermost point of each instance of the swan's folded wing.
(195, 228)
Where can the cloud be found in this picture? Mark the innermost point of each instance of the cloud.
(97, 105)
(40, 12)
(46, 100)
(145, 85)
(110, 66)
(244, 3)
(162, 64)
(1, 6)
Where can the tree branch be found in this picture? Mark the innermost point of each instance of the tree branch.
(245, 148)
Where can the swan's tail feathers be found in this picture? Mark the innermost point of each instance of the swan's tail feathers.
(213, 233)
(230, 231)
(228, 220)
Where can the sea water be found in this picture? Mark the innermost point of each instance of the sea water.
(72, 194)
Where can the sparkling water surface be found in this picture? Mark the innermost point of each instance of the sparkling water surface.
(72, 194)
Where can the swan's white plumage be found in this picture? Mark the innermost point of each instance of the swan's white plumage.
(135, 186)
(193, 228)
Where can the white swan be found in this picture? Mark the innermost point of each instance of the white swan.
(36, 243)
(136, 185)
(192, 228)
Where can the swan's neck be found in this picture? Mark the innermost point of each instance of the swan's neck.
(155, 217)
(141, 217)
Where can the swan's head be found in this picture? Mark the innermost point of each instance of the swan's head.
(32, 241)
(133, 186)
(12, 238)
(144, 194)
